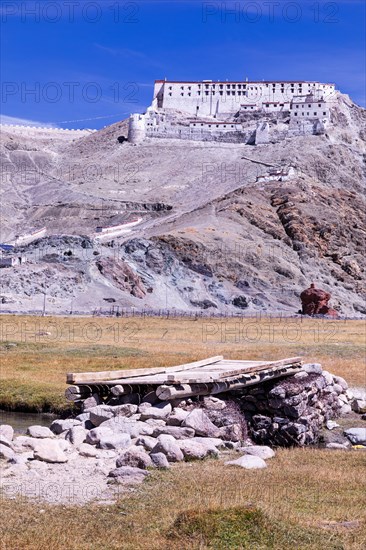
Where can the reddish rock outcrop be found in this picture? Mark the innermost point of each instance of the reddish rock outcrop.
(314, 301)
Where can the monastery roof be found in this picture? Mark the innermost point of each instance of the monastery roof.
(244, 82)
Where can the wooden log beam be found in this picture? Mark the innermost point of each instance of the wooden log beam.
(167, 392)
(90, 377)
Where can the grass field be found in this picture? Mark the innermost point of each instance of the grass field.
(300, 501)
(36, 353)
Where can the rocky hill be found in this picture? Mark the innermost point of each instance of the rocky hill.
(214, 234)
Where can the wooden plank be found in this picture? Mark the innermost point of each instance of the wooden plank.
(84, 377)
(189, 376)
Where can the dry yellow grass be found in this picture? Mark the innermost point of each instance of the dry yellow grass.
(33, 372)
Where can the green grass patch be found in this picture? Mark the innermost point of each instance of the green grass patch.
(245, 528)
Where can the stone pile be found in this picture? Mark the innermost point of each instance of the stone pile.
(293, 411)
(118, 444)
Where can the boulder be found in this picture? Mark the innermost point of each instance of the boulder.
(49, 450)
(211, 442)
(40, 432)
(128, 474)
(7, 431)
(121, 424)
(100, 414)
(213, 403)
(76, 435)
(88, 450)
(201, 424)
(262, 451)
(178, 432)
(249, 462)
(341, 381)
(312, 368)
(158, 411)
(115, 441)
(128, 409)
(146, 441)
(357, 436)
(5, 441)
(159, 460)
(168, 445)
(6, 453)
(314, 301)
(194, 450)
(327, 377)
(134, 456)
(93, 436)
(59, 426)
(91, 402)
(177, 417)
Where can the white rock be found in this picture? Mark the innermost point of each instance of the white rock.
(312, 368)
(211, 442)
(349, 394)
(201, 424)
(262, 451)
(345, 409)
(177, 417)
(178, 432)
(93, 436)
(341, 381)
(48, 450)
(194, 450)
(65, 445)
(134, 456)
(5, 441)
(160, 460)
(100, 414)
(40, 432)
(249, 462)
(87, 450)
(357, 436)
(135, 428)
(76, 435)
(327, 377)
(7, 431)
(147, 442)
(331, 424)
(115, 441)
(168, 445)
(338, 446)
(6, 453)
(128, 409)
(214, 403)
(159, 411)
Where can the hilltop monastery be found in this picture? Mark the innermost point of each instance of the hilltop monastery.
(247, 112)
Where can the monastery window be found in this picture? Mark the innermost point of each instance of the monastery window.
(319, 104)
(182, 87)
(315, 113)
(232, 125)
(201, 124)
(324, 113)
(295, 114)
(217, 125)
(189, 93)
(282, 104)
(224, 125)
(170, 87)
(206, 92)
(189, 87)
(221, 86)
(239, 86)
(221, 93)
(267, 104)
(182, 93)
(308, 114)
(170, 93)
(239, 93)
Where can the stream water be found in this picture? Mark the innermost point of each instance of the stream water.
(20, 421)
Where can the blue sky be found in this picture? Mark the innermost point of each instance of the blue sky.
(87, 64)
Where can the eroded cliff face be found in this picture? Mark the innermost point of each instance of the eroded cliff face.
(212, 236)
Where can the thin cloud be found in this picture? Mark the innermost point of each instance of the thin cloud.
(5, 119)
